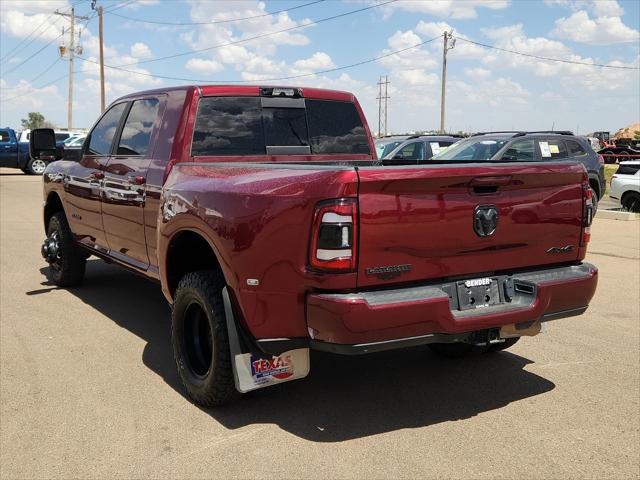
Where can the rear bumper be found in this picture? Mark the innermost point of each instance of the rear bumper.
(381, 320)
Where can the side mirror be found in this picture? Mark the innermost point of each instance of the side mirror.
(42, 145)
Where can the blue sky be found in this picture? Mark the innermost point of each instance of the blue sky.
(486, 88)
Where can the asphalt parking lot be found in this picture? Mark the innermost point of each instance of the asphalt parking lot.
(88, 387)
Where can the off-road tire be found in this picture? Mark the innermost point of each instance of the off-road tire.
(68, 270)
(200, 293)
(34, 166)
(498, 347)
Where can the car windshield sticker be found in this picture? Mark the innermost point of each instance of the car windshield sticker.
(435, 147)
(554, 148)
(544, 149)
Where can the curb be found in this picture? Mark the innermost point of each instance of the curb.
(616, 215)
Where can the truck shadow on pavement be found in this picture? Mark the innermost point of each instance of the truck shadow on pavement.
(344, 397)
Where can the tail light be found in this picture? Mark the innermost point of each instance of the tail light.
(600, 159)
(587, 216)
(334, 237)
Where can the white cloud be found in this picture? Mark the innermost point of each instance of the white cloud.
(460, 50)
(477, 72)
(603, 30)
(456, 9)
(202, 66)
(318, 61)
(140, 50)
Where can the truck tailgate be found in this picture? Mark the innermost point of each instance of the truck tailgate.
(417, 223)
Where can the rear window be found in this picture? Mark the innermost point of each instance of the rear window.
(335, 127)
(472, 149)
(628, 169)
(242, 126)
(4, 136)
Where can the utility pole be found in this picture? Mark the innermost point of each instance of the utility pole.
(382, 108)
(449, 43)
(101, 38)
(72, 52)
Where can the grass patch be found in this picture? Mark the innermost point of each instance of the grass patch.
(609, 170)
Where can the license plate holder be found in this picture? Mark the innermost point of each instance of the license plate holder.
(478, 293)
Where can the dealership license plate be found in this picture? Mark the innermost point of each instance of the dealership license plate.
(478, 293)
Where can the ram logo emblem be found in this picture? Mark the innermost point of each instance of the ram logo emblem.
(485, 220)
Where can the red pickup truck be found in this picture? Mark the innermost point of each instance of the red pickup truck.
(273, 229)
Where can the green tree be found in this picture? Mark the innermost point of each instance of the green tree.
(35, 120)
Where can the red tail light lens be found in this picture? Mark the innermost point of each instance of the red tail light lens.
(587, 216)
(334, 238)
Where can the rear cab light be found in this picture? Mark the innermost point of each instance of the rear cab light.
(334, 236)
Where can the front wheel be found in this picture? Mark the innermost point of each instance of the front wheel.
(35, 166)
(66, 261)
(631, 201)
(200, 339)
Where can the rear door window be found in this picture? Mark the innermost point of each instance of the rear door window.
(412, 151)
(520, 151)
(136, 132)
(575, 149)
(103, 133)
(552, 149)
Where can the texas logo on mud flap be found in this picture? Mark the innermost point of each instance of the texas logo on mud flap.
(277, 367)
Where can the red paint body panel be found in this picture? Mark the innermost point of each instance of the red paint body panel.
(256, 214)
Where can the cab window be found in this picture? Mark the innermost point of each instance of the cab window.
(104, 131)
(136, 133)
(412, 151)
(4, 136)
(575, 149)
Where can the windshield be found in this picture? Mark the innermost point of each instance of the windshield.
(472, 149)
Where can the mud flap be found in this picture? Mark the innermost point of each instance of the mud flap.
(250, 372)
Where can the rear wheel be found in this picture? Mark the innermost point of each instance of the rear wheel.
(631, 201)
(66, 261)
(623, 157)
(608, 159)
(36, 166)
(200, 339)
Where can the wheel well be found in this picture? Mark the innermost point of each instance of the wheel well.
(595, 185)
(53, 205)
(188, 252)
(627, 194)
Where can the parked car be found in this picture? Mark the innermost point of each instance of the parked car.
(14, 154)
(625, 185)
(61, 136)
(72, 148)
(419, 148)
(386, 144)
(532, 147)
(272, 229)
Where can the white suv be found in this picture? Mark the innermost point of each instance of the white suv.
(625, 185)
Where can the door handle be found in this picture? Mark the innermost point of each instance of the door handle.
(137, 180)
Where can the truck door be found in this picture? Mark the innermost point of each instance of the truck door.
(123, 192)
(84, 181)
(8, 149)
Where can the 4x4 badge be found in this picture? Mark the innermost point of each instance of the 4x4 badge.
(485, 220)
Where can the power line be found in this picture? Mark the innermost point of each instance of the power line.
(214, 22)
(290, 77)
(32, 55)
(551, 59)
(13, 52)
(45, 70)
(263, 35)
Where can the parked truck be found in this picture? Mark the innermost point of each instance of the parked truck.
(15, 154)
(273, 229)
